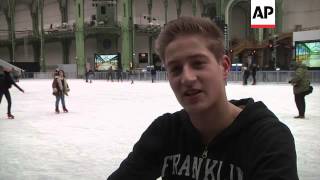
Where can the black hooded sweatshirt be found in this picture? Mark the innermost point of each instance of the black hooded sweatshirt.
(256, 146)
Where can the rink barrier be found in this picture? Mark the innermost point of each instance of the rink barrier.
(261, 76)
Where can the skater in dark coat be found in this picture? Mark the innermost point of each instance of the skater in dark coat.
(90, 75)
(301, 84)
(246, 74)
(153, 74)
(119, 75)
(60, 89)
(110, 74)
(6, 83)
(87, 76)
(254, 69)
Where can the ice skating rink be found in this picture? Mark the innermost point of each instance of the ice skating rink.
(105, 119)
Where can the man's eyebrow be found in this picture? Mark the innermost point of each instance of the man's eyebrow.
(196, 56)
(174, 60)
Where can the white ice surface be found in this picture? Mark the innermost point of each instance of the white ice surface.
(105, 119)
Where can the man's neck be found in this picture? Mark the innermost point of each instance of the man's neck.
(213, 121)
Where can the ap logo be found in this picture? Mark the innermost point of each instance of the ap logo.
(263, 14)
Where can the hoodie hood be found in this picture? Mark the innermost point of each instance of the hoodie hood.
(252, 113)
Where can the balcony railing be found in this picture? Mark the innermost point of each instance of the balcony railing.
(148, 28)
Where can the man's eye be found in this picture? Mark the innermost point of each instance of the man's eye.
(175, 70)
(198, 64)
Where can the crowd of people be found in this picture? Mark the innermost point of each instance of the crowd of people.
(118, 74)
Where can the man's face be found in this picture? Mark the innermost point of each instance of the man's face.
(195, 76)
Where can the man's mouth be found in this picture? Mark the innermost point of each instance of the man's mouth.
(192, 92)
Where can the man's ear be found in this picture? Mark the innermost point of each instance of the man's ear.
(225, 66)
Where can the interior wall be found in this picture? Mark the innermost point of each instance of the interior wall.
(89, 10)
(141, 46)
(306, 35)
(72, 52)
(51, 13)
(90, 50)
(23, 20)
(158, 11)
(71, 12)
(186, 8)
(140, 9)
(24, 54)
(3, 26)
(119, 10)
(199, 9)
(238, 23)
(4, 54)
(172, 10)
(297, 12)
(53, 53)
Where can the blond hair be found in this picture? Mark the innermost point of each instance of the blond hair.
(191, 26)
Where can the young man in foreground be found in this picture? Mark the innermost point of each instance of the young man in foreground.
(211, 138)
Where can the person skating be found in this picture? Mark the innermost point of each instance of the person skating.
(246, 73)
(110, 74)
(211, 137)
(6, 83)
(254, 68)
(153, 74)
(301, 84)
(60, 89)
(87, 76)
(119, 75)
(90, 75)
(131, 75)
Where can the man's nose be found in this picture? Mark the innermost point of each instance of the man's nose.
(188, 75)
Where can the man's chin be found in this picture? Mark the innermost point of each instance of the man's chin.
(194, 108)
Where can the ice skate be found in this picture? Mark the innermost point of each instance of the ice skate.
(65, 110)
(10, 116)
(299, 117)
(57, 111)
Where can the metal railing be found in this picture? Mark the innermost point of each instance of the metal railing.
(273, 76)
(261, 76)
(44, 75)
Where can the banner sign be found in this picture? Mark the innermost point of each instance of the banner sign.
(263, 14)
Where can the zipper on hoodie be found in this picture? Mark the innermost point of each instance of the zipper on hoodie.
(205, 152)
